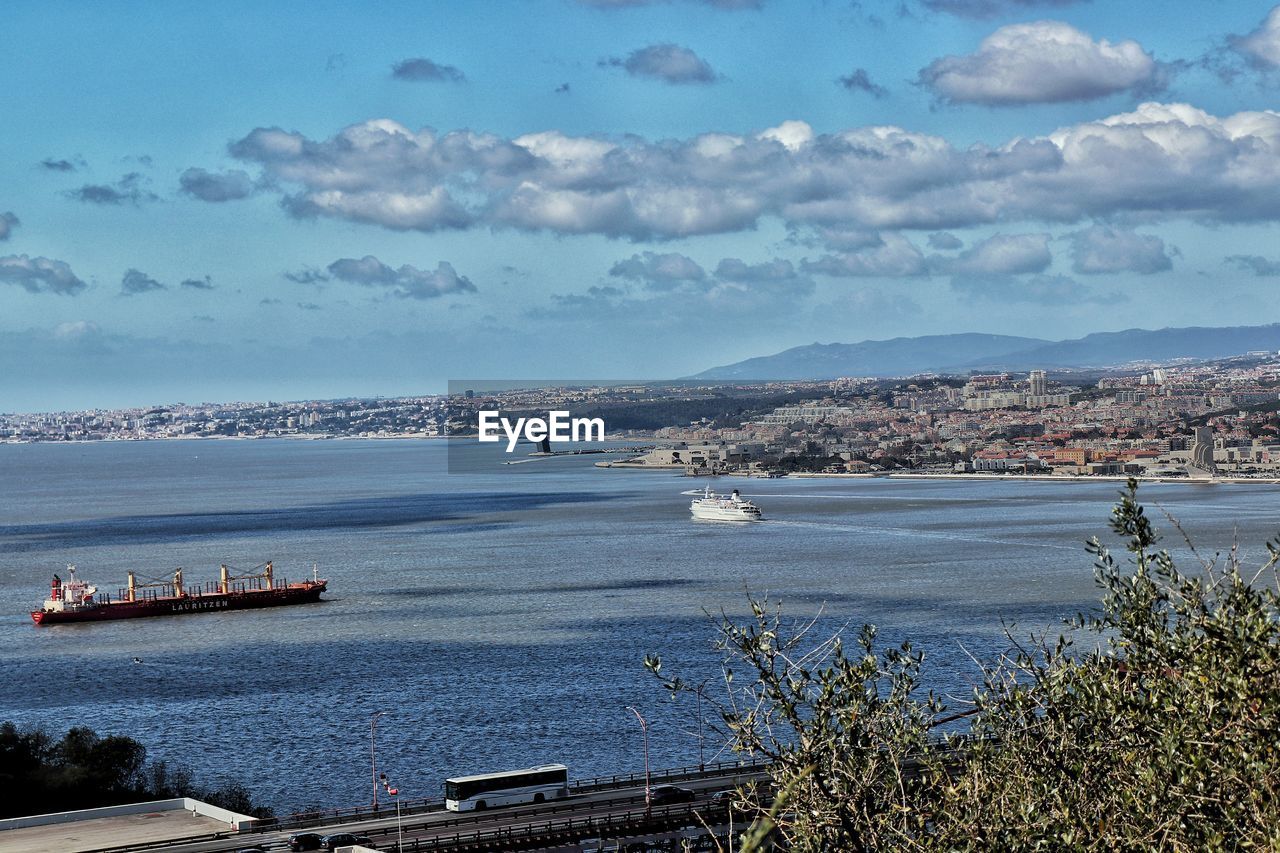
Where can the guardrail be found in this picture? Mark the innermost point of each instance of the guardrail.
(424, 805)
(674, 774)
(568, 830)
(356, 814)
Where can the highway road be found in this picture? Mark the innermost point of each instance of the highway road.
(435, 829)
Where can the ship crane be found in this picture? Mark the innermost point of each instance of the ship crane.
(174, 583)
(267, 576)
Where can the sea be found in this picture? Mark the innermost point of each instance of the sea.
(498, 616)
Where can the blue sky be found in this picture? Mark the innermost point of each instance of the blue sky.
(286, 200)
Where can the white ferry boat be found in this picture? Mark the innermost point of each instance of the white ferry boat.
(713, 507)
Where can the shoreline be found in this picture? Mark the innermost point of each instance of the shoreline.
(1067, 478)
(1053, 478)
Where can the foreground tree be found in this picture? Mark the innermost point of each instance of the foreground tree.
(1154, 723)
(84, 770)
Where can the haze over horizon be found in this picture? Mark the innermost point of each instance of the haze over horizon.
(316, 201)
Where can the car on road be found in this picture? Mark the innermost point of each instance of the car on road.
(664, 795)
(724, 799)
(305, 841)
(344, 839)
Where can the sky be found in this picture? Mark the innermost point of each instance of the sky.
(248, 201)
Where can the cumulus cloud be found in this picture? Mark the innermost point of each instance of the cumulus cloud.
(859, 80)
(1000, 254)
(8, 222)
(130, 189)
(135, 282)
(1256, 264)
(982, 9)
(419, 69)
(896, 256)
(659, 271)
(205, 283)
(746, 287)
(1160, 161)
(1039, 289)
(670, 63)
(407, 282)
(216, 186)
(1041, 62)
(945, 242)
(40, 275)
(1101, 249)
(735, 288)
(673, 271)
(1261, 47)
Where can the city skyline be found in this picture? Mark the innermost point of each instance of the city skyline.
(317, 201)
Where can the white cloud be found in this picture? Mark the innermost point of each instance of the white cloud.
(1262, 46)
(1001, 254)
(1041, 62)
(1160, 161)
(1101, 249)
(944, 241)
(670, 63)
(40, 275)
(407, 282)
(896, 256)
(659, 271)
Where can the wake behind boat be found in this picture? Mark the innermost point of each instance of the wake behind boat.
(713, 507)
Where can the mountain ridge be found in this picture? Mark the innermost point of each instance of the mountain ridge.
(967, 351)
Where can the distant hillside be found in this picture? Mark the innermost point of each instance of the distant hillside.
(961, 353)
(875, 358)
(1103, 349)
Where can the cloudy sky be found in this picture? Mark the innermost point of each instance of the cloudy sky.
(318, 199)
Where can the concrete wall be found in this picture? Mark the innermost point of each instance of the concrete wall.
(233, 820)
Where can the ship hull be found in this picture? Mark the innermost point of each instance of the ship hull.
(722, 514)
(303, 593)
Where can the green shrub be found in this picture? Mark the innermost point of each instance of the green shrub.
(1153, 723)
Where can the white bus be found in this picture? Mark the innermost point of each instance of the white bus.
(486, 790)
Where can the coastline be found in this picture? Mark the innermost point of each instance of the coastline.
(1055, 478)
(1069, 478)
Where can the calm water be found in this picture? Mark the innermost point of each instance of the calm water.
(500, 619)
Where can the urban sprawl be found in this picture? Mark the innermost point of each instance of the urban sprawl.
(1178, 420)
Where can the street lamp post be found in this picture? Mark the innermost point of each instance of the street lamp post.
(373, 754)
(702, 765)
(644, 727)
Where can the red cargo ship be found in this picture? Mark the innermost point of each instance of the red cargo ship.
(74, 600)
